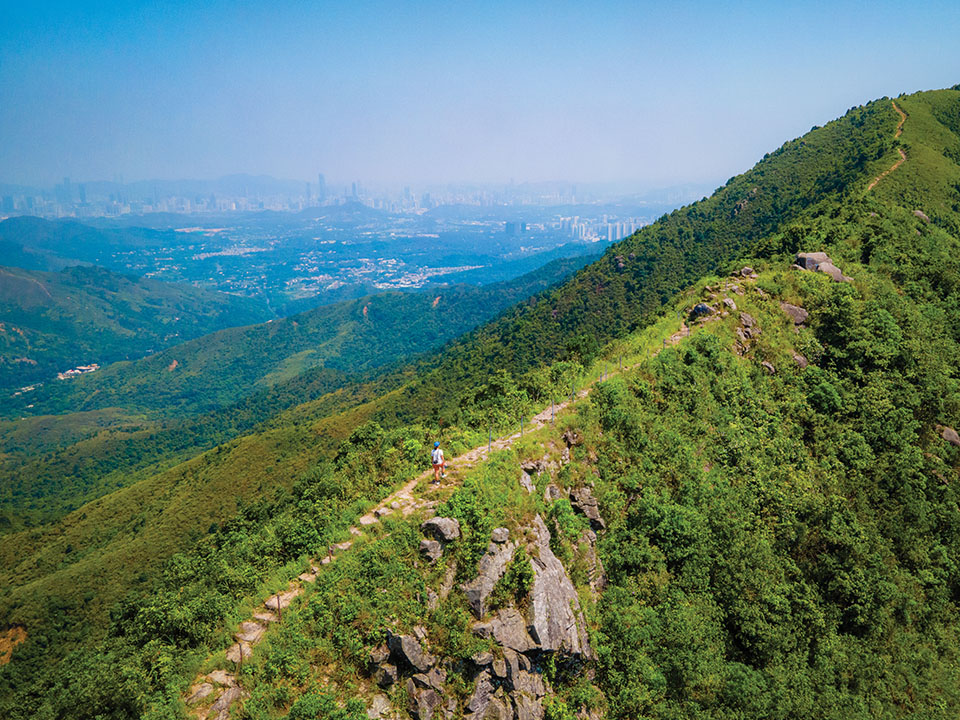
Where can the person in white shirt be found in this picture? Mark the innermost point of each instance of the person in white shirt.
(439, 465)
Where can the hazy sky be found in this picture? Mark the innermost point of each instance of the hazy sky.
(445, 91)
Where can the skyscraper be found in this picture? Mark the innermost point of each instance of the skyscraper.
(321, 187)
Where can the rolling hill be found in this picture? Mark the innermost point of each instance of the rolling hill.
(52, 322)
(777, 488)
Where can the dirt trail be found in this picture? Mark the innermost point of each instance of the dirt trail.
(225, 685)
(903, 155)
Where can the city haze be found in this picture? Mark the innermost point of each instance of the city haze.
(434, 93)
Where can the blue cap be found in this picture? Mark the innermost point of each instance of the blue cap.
(436, 444)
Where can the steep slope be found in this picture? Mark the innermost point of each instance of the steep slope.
(776, 544)
(52, 322)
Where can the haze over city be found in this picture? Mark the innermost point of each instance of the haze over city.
(493, 92)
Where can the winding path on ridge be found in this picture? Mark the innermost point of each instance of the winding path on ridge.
(903, 155)
(225, 683)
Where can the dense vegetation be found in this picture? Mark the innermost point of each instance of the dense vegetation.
(778, 545)
(129, 417)
(52, 322)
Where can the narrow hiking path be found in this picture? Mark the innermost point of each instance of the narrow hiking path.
(408, 499)
(903, 155)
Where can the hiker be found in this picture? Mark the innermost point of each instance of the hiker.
(438, 462)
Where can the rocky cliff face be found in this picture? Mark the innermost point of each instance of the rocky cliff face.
(530, 637)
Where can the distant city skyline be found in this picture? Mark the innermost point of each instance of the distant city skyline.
(653, 94)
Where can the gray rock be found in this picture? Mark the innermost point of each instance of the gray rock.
(498, 709)
(746, 271)
(423, 701)
(746, 319)
(500, 535)
(702, 310)
(922, 215)
(379, 654)
(509, 629)
(527, 708)
(431, 550)
(795, 312)
(482, 695)
(949, 434)
(833, 271)
(555, 621)
(386, 675)
(433, 679)
(482, 659)
(551, 493)
(499, 668)
(800, 360)
(222, 677)
(220, 710)
(490, 569)
(406, 650)
(379, 707)
(199, 693)
(595, 571)
(572, 438)
(250, 632)
(810, 261)
(769, 367)
(442, 529)
(730, 303)
(526, 482)
(583, 501)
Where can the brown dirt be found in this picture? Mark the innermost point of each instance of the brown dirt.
(903, 155)
(9, 639)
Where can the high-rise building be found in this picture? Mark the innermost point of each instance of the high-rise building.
(308, 193)
(321, 187)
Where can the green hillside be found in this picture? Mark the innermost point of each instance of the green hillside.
(131, 418)
(52, 322)
(780, 539)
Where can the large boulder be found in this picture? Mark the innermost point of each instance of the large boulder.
(809, 261)
(795, 313)
(442, 529)
(490, 569)
(949, 434)
(554, 620)
(833, 271)
(407, 651)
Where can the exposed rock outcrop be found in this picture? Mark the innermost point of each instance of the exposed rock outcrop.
(555, 621)
(442, 529)
(491, 568)
(795, 313)
(820, 262)
(582, 500)
(408, 652)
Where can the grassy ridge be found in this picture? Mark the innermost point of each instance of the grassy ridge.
(687, 545)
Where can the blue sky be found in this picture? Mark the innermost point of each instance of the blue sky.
(652, 93)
